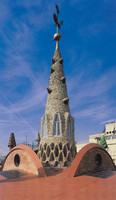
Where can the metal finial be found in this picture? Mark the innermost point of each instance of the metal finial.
(57, 36)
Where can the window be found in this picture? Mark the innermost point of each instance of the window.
(114, 137)
(108, 137)
(17, 160)
(57, 129)
(44, 131)
(69, 128)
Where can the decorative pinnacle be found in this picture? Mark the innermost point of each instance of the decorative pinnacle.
(57, 36)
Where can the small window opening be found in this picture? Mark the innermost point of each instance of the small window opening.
(17, 160)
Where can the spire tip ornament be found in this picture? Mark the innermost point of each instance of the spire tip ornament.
(57, 36)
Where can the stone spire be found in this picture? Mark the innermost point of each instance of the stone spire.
(12, 142)
(57, 145)
(38, 138)
(57, 100)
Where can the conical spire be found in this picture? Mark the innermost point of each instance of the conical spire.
(38, 137)
(57, 100)
(57, 145)
(12, 142)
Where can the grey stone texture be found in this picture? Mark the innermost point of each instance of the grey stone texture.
(57, 150)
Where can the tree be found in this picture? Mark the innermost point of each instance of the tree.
(103, 142)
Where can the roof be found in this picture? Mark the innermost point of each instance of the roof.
(57, 187)
(60, 183)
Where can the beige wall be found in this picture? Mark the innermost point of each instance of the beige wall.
(79, 146)
(110, 136)
(109, 128)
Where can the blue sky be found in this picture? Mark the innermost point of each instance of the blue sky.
(88, 47)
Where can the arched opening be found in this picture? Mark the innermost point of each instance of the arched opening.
(57, 126)
(41, 152)
(48, 151)
(61, 157)
(98, 160)
(44, 129)
(72, 151)
(68, 146)
(51, 157)
(45, 146)
(44, 157)
(60, 146)
(69, 127)
(69, 157)
(56, 151)
(65, 151)
(52, 146)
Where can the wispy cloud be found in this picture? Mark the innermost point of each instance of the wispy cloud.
(89, 98)
(109, 121)
(18, 70)
(97, 112)
(92, 30)
(5, 12)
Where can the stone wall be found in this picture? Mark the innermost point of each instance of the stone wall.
(57, 103)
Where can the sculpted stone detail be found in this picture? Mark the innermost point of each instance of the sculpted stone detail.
(57, 156)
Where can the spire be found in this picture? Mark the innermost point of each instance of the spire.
(57, 145)
(38, 137)
(12, 142)
(57, 36)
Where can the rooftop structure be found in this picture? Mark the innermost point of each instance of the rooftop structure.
(12, 142)
(57, 145)
(24, 177)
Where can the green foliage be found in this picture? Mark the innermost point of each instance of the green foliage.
(103, 142)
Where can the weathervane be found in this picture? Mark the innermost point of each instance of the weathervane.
(57, 36)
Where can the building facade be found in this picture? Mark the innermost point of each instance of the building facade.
(110, 137)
